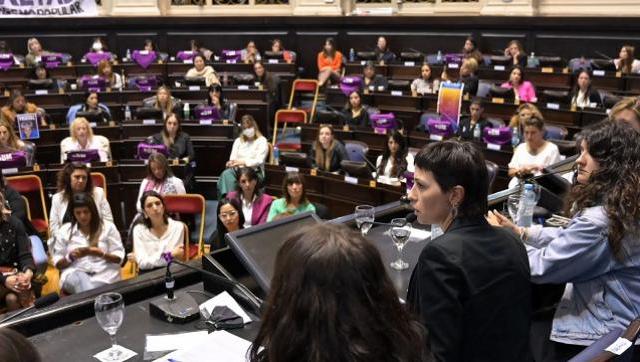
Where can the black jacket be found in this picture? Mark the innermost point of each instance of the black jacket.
(465, 130)
(361, 120)
(377, 81)
(339, 154)
(15, 246)
(470, 85)
(182, 146)
(471, 290)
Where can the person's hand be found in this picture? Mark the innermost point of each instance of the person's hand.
(24, 280)
(495, 218)
(178, 251)
(230, 163)
(240, 163)
(96, 251)
(79, 253)
(11, 283)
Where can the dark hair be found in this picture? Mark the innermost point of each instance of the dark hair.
(472, 41)
(331, 42)
(215, 88)
(150, 42)
(143, 199)
(517, 66)
(4, 47)
(64, 178)
(222, 230)
(292, 178)
(277, 40)
(88, 94)
(576, 87)
(34, 72)
(332, 300)
(455, 163)
(399, 159)
(105, 47)
(534, 122)
(200, 55)
(252, 175)
(616, 148)
(15, 94)
(83, 199)
(195, 44)
(164, 163)
(165, 134)
(356, 91)
(369, 64)
(477, 100)
(14, 347)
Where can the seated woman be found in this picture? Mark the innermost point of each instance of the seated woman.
(178, 142)
(460, 281)
(230, 219)
(216, 98)
(523, 113)
(597, 254)
(516, 52)
(17, 348)
(255, 203)
(470, 50)
(34, 52)
(287, 55)
(329, 63)
(150, 46)
(426, 84)
(10, 142)
(18, 104)
(75, 178)
(91, 104)
(326, 152)
(164, 101)
(523, 89)
(158, 234)
(159, 179)
(355, 113)
(626, 111)
(383, 54)
(196, 46)
(371, 80)
(468, 76)
(105, 70)
(471, 126)
(250, 53)
(249, 150)
(530, 157)
(583, 95)
(395, 159)
(39, 75)
(88, 249)
(16, 263)
(271, 83)
(82, 138)
(201, 70)
(331, 284)
(626, 61)
(294, 198)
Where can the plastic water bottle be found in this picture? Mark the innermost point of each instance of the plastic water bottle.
(532, 62)
(186, 111)
(352, 55)
(526, 205)
(477, 132)
(128, 54)
(276, 155)
(127, 113)
(439, 56)
(515, 137)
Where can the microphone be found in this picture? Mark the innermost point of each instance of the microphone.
(41, 302)
(603, 55)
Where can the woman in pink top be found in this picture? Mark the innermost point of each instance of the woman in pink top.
(523, 89)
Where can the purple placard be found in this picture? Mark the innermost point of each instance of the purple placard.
(497, 136)
(90, 155)
(14, 159)
(206, 114)
(455, 58)
(51, 61)
(383, 122)
(409, 177)
(186, 55)
(145, 150)
(441, 127)
(350, 84)
(6, 61)
(93, 83)
(145, 84)
(231, 56)
(94, 58)
(144, 58)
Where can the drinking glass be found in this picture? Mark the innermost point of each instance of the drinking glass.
(400, 232)
(109, 308)
(365, 216)
(513, 201)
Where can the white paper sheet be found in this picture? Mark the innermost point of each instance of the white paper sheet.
(172, 342)
(126, 354)
(218, 346)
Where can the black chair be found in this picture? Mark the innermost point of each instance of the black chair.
(492, 171)
(322, 211)
(412, 57)
(499, 92)
(552, 62)
(295, 159)
(366, 55)
(609, 100)
(148, 113)
(47, 84)
(501, 60)
(396, 84)
(359, 169)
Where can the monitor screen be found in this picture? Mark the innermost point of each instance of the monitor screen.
(257, 247)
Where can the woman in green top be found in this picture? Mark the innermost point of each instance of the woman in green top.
(295, 198)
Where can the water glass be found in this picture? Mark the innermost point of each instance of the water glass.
(513, 201)
(400, 232)
(365, 216)
(109, 308)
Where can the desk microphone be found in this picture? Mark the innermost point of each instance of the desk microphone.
(603, 55)
(41, 302)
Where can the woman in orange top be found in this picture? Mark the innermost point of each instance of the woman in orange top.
(329, 63)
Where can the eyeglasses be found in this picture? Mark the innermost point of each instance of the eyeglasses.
(228, 215)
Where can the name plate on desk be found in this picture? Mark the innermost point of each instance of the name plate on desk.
(553, 106)
(273, 61)
(396, 93)
(291, 169)
(148, 121)
(231, 61)
(380, 130)
(9, 171)
(41, 91)
(453, 65)
(409, 64)
(497, 100)
(194, 87)
(598, 72)
(351, 180)
(188, 61)
(546, 70)
(436, 137)
(243, 87)
(498, 67)
(207, 122)
(493, 146)
(93, 124)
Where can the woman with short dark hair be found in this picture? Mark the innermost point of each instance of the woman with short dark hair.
(523, 90)
(91, 104)
(14, 347)
(460, 281)
(294, 198)
(332, 300)
(230, 219)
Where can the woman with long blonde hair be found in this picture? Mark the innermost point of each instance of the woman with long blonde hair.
(326, 151)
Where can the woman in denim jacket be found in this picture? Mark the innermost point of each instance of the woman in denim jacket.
(598, 253)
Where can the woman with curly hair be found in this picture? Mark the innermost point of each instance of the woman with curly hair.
(598, 252)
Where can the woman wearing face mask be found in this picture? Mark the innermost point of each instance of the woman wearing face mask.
(460, 281)
(230, 219)
(255, 203)
(82, 138)
(105, 70)
(294, 198)
(156, 235)
(326, 152)
(91, 104)
(355, 113)
(202, 70)
(248, 150)
(395, 160)
(159, 179)
(88, 249)
(523, 89)
(426, 84)
(597, 253)
(583, 95)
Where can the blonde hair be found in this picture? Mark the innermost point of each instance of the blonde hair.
(102, 65)
(630, 103)
(77, 122)
(31, 41)
(535, 113)
(249, 118)
(323, 158)
(472, 64)
(13, 141)
(169, 107)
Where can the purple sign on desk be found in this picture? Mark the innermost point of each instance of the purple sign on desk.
(145, 150)
(350, 84)
(90, 155)
(6, 61)
(14, 159)
(93, 83)
(145, 84)
(441, 127)
(186, 55)
(231, 56)
(455, 58)
(207, 114)
(94, 58)
(52, 61)
(497, 136)
(144, 58)
(383, 122)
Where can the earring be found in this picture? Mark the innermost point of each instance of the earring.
(454, 212)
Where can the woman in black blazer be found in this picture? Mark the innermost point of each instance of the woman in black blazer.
(470, 286)
(583, 95)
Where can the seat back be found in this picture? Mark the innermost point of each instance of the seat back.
(189, 204)
(552, 132)
(305, 88)
(30, 186)
(99, 180)
(356, 150)
(492, 171)
(286, 116)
